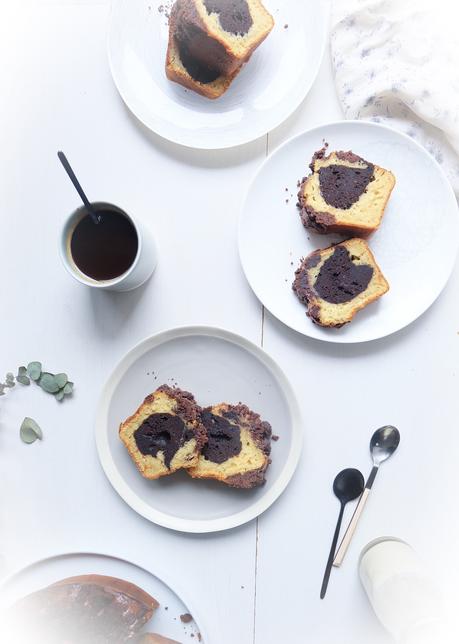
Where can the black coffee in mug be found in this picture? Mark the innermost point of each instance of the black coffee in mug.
(106, 250)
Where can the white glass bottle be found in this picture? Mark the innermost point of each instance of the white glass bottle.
(404, 597)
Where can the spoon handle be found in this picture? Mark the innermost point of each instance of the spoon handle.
(328, 568)
(68, 168)
(351, 528)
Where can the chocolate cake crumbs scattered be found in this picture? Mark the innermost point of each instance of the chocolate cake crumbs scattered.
(186, 618)
(275, 438)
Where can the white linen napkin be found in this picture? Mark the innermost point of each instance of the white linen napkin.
(397, 62)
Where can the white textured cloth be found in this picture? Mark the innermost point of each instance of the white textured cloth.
(397, 62)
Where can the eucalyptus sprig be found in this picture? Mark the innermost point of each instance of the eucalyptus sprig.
(56, 384)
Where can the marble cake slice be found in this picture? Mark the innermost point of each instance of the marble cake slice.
(344, 194)
(165, 434)
(337, 282)
(94, 609)
(221, 34)
(238, 447)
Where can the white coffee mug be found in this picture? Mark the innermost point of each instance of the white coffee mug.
(141, 268)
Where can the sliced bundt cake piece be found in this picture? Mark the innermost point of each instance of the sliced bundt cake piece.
(336, 282)
(344, 193)
(183, 68)
(237, 449)
(222, 34)
(165, 434)
(93, 609)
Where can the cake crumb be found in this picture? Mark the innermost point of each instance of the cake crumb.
(286, 26)
(275, 438)
(186, 618)
(164, 9)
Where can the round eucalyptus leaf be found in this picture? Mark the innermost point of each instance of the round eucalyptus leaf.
(48, 383)
(61, 379)
(34, 370)
(24, 380)
(59, 395)
(30, 431)
(68, 389)
(22, 371)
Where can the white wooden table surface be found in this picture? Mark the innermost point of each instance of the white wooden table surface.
(260, 583)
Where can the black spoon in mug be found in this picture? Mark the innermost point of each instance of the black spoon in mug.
(72, 176)
(347, 486)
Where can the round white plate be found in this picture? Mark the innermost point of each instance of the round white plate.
(166, 622)
(268, 90)
(217, 366)
(416, 245)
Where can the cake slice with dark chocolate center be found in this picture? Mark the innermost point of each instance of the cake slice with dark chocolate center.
(183, 66)
(221, 34)
(237, 449)
(344, 194)
(165, 434)
(336, 282)
(93, 609)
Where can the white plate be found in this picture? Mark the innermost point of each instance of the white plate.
(217, 366)
(269, 88)
(47, 571)
(416, 245)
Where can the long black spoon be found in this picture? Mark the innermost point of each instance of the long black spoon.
(68, 168)
(347, 486)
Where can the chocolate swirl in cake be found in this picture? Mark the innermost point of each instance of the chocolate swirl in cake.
(234, 15)
(342, 186)
(340, 280)
(162, 433)
(223, 438)
(197, 71)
